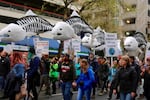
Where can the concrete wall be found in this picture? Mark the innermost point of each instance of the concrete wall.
(141, 15)
(18, 14)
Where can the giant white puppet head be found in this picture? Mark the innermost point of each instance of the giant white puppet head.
(12, 33)
(63, 31)
(95, 41)
(135, 45)
(130, 43)
(87, 40)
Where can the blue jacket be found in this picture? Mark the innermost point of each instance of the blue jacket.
(87, 79)
(19, 70)
(112, 73)
(34, 65)
(14, 79)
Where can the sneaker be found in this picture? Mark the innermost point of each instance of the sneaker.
(101, 93)
(93, 97)
(105, 91)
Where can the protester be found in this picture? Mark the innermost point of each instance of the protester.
(67, 76)
(44, 69)
(15, 78)
(93, 63)
(146, 75)
(4, 70)
(134, 64)
(112, 73)
(85, 80)
(103, 71)
(33, 74)
(54, 74)
(126, 78)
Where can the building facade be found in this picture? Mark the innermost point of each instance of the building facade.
(9, 12)
(135, 17)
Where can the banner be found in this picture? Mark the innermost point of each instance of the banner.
(42, 47)
(111, 45)
(72, 46)
(67, 45)
(76, 45)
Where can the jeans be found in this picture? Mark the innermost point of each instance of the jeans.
(45, 80)
(31, 86)
(125, 96)
(2, 83)
(86, 93)
(66, 90)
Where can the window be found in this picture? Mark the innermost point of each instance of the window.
(149, 13)
(129, 33)
(130, 21)
(148, 24)
(131, 8)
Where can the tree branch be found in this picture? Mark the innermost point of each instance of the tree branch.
(86, 4)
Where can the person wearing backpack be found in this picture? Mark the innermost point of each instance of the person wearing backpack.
(33, 76)
(85, 81)
(54, 74)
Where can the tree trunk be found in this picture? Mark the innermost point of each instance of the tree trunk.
(61, 45)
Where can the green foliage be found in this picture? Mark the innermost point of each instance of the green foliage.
(127, 7)
(103, 13)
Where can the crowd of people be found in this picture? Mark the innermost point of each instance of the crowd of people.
(20, 76)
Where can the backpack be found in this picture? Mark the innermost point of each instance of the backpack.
(53, 73)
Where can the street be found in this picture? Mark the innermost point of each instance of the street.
(59, 97)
